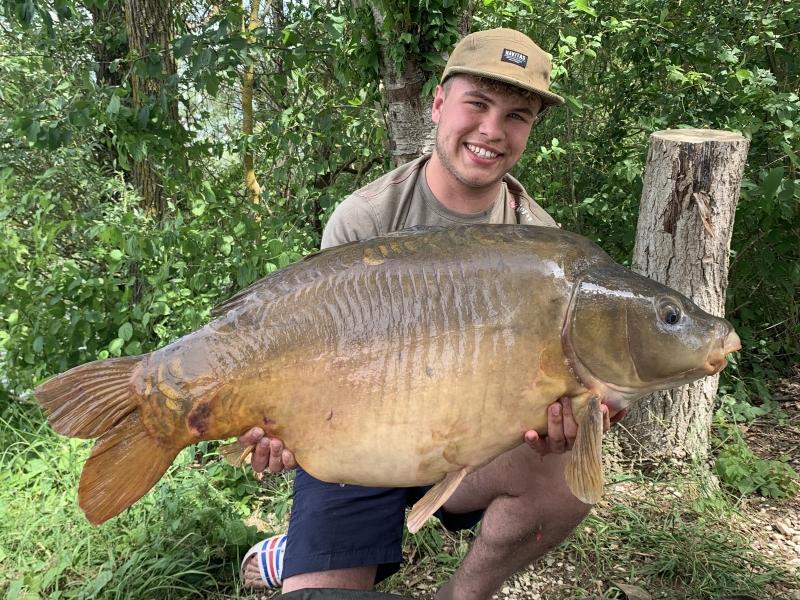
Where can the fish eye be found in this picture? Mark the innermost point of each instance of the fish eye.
(670, 314)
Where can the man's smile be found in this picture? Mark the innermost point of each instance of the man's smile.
(482, 152)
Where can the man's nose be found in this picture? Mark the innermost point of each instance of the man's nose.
(492, 125)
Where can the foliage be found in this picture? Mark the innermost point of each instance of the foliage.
(321, 131)
(185, 537)
(736, 465)
(98, 279)
(739, 468)
(86, 273)
(676, 533)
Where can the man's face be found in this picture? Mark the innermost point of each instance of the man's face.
(481, 133)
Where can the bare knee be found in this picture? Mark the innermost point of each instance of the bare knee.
(534, 517)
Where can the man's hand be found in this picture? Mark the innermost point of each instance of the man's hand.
(562, 428)
(269, 452)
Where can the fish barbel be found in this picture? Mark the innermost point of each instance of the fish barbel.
(408, 359)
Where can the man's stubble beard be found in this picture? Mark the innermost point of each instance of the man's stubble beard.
(447, 164)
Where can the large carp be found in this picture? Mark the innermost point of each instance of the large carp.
(403, 360)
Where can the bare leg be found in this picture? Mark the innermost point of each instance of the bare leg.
(357, 578)
(529, 511)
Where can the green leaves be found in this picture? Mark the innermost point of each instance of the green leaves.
(113, 105)
(583, 6)
(772, 182)
(25, 12)
(742, 470)
(125, 332)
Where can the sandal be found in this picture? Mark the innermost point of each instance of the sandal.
(270, 560)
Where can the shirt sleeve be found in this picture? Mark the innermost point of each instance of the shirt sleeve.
(354, 219)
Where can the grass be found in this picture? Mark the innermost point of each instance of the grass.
(673, 543)
(185, 538)
(673, 539)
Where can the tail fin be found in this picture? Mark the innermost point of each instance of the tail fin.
(87, 401)
(125, 463)
(95, 400)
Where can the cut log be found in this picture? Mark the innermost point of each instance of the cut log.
(691, 188)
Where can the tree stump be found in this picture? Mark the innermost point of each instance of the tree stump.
(691, 187)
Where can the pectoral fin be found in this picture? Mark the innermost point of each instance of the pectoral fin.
(234, 455)
(585, 467)
(433, 500)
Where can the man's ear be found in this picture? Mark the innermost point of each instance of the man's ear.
(438, 100)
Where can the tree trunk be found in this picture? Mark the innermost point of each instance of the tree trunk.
(106, 48)
(412, 133)
(150, 22)
(691, 187)
(252, 189)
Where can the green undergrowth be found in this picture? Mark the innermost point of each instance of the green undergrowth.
(680, 539)
(677, 539)
(737, 466)
(185, 538)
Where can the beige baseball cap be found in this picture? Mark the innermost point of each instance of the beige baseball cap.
(506, 55)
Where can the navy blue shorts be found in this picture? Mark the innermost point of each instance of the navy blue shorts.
(335, 527)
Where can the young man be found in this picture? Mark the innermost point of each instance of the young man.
(493, 88)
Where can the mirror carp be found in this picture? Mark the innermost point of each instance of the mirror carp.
(409, 359)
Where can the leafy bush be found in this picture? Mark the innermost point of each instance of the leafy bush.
(739, 468)
(736, 465)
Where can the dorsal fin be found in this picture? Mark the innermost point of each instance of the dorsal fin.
(245, 294)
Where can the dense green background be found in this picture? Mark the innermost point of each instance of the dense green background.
(85, 273)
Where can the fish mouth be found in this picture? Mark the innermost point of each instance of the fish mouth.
(728, 342)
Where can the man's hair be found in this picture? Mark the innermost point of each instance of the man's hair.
(494, 85)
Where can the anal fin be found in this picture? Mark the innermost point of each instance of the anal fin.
(433, 500)
(234, 454)
(584, 471)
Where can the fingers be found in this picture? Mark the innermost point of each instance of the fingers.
(619, 415)
(555, 428)
(536, 442)
(561, 426)
(260, 457)
(561, 430)
(269, 453)
(569, 424)
(289, 461)
(251, 437)
(275, 455)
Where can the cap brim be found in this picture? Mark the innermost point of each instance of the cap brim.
(548, 98)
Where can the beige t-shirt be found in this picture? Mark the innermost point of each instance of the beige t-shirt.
(402, 199)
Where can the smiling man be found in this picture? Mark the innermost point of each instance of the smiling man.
(493, 88)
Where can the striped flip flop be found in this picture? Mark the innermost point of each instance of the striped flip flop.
(270, 560)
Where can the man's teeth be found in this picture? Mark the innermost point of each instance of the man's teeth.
(481, 151)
